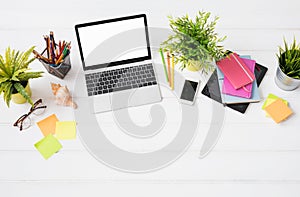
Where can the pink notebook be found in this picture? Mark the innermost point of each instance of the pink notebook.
(246, 91)
(236, 71)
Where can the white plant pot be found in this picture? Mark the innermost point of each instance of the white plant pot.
(285, 82)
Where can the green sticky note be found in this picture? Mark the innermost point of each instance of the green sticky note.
(270, 99)
(65, 130)
(48, 146)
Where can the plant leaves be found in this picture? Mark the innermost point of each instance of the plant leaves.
(3, 79)
(25, 76)
(23, 92)
(13, 71)
(7, 89)
(23, 62)
(289, 59)
(194, 40)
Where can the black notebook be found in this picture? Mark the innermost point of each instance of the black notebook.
(212, 89)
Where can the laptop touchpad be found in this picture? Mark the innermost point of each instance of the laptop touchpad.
(100, 103)
(121, 99)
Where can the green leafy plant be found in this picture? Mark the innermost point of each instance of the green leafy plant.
(14, 74)
(194, 41)
(289, 59)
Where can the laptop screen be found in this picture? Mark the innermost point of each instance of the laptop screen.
(113, 42)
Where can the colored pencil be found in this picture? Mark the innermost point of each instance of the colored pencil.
(173, 74)
(61, 56)
(47, 45)
(39, 56)
(169, 68)
(52, 39)
(164, 63)
(55, 52)
(59, 46)
(64, 53)
(52, 53)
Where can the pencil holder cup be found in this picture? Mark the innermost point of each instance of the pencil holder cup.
(59, 70)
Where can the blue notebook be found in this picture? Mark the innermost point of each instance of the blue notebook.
(228, 99)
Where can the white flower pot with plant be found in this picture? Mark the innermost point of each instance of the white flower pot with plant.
(288, 71)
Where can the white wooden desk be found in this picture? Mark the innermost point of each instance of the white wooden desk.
(253, 157)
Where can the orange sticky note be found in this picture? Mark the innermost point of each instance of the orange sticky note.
(270, 99)
(47, 125)
(278, 110)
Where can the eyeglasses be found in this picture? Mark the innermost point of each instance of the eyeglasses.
(24, 122)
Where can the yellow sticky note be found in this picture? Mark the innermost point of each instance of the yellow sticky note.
(65, 130)
(278, 110)
(48, 146)
(47, 125)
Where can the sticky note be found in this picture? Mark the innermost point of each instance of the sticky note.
(48, 146)
(270, 99)
(47, 125)
(278, 110)
(65, 130)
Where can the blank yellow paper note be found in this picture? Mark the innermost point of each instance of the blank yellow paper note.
(47, 125)
(65, 130)
(48, 146)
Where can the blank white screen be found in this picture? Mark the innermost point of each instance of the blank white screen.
(114, 41)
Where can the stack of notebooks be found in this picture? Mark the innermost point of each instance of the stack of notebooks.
(235, 82)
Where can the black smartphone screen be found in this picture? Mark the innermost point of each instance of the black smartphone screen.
(189, 90)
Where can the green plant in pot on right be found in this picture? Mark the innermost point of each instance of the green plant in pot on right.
(15, 75)
(288, 71)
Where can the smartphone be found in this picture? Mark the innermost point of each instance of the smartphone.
(189, 91)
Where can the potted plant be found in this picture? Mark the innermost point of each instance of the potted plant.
(288, 71)
(14, 76)
(194, 43)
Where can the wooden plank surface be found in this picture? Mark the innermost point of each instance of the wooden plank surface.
(253, 157)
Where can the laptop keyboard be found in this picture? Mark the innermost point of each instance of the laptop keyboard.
(120, 79)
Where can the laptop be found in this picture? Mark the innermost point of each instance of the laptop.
(117, 63)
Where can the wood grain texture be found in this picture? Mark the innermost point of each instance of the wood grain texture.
(253, 157)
